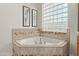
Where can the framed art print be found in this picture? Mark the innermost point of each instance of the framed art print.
(26, 16)
(34, 18)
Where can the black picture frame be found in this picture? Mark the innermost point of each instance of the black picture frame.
(26, 16)
(34, 21)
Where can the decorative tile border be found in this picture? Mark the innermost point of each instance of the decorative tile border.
(24, 33)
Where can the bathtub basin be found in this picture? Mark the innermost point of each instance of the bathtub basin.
(40, 45)
(40, 42)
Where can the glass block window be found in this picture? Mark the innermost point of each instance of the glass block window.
(55, 17)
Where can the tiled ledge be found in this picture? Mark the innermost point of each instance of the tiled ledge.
(23, 33)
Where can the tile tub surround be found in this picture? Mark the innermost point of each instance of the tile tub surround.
(59, 35)
(39, 51)
(24, 33)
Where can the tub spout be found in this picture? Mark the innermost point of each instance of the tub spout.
(40, 41)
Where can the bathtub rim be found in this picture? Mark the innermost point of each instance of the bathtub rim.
(38, 46)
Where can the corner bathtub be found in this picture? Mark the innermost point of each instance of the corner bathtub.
(40, 46)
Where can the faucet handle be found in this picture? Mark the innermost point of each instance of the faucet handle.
(35, 42)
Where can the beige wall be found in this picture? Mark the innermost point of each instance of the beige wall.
(11, 17)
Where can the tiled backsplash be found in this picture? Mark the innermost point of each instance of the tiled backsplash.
(24, 33)
(63, 36)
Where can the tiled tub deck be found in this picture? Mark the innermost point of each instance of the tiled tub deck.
(42, 50)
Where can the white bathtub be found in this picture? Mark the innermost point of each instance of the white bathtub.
(40, 45)
(41, 41)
